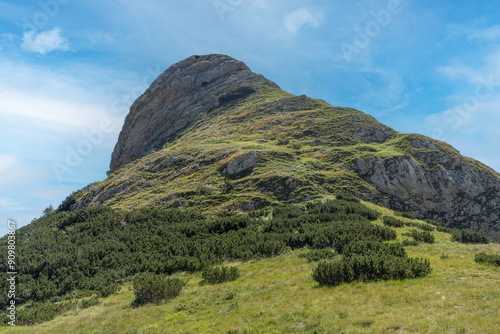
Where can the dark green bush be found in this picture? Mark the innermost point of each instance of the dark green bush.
(424, 236)
(39, 312)
(216, 275)
(372, 247)
(425, 227)
(369, 267)
(88, 249)
(151, 288)
(89, 302)
(407, 242)
(347, 197)
(393, 222)
(439, 227)
(283, 141)
(107, 290)
(317, 254)
(405, 214)
(469, 237)
(493, 259)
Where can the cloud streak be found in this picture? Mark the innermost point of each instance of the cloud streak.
(44, 42)
(299, 18)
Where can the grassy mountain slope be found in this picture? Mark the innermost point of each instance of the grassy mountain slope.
(307, 149)
(278, 295)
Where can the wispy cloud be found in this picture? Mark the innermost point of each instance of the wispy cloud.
(44, 42)
(295, 20)
(489, 34)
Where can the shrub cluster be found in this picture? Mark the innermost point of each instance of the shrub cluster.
(151, 288)
(424, 236)
(216, 275)
(369, 267)
(39, 312)
(317, 254)
(439, 227)
(393, 222)
(420, 226)
(488, 258)
(370, 260)
(91, 248)
(405, 214)
(469, 237)
(89, 302)
(104, 291)
(372, 247)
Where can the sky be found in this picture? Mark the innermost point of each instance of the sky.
(69, 71)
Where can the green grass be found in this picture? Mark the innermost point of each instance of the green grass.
(278, 295)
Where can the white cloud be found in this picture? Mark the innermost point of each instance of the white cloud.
(295, 20)
(490, 33)
(44, 42)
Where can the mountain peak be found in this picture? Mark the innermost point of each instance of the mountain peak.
(178, 96)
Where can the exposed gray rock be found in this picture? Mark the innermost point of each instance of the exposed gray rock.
(242, 163)
(177, 97)
(465, 197)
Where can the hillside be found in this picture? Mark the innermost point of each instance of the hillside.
(278, 295)
(232, 206)
(207, 113)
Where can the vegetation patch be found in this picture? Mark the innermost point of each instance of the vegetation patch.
(151, 288)
(217, 275)
(469, 237)
(493, 259)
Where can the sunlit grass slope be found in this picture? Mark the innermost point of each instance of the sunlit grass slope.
(278, 295)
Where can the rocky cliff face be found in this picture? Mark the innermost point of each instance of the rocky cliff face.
(238, 142)
(453, 192)
(177, 97)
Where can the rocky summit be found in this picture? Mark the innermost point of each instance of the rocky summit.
(211, 134)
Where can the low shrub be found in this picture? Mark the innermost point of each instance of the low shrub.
(408, 242)
(39, 312)
(376, 248)
(439, 227)
(151, 288)
(317, 254)
(89, 302)
(283, 141)
(369, 267)
(424, 236)
(216, 275)
(107, 290)
(405, 214)
(469, 237)
(347, 197)
(493, 259)
(393, 222)
(425, 227)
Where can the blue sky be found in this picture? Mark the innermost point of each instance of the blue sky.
(70, 69)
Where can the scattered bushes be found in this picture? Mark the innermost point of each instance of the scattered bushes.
(151, 288)
(317, 254)
(89, 255)
(425, 227)
(469, 237)
(493, 259)
(216, 275)
(369, 267)
(39, 312)
(393, 222)
(424, 236)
